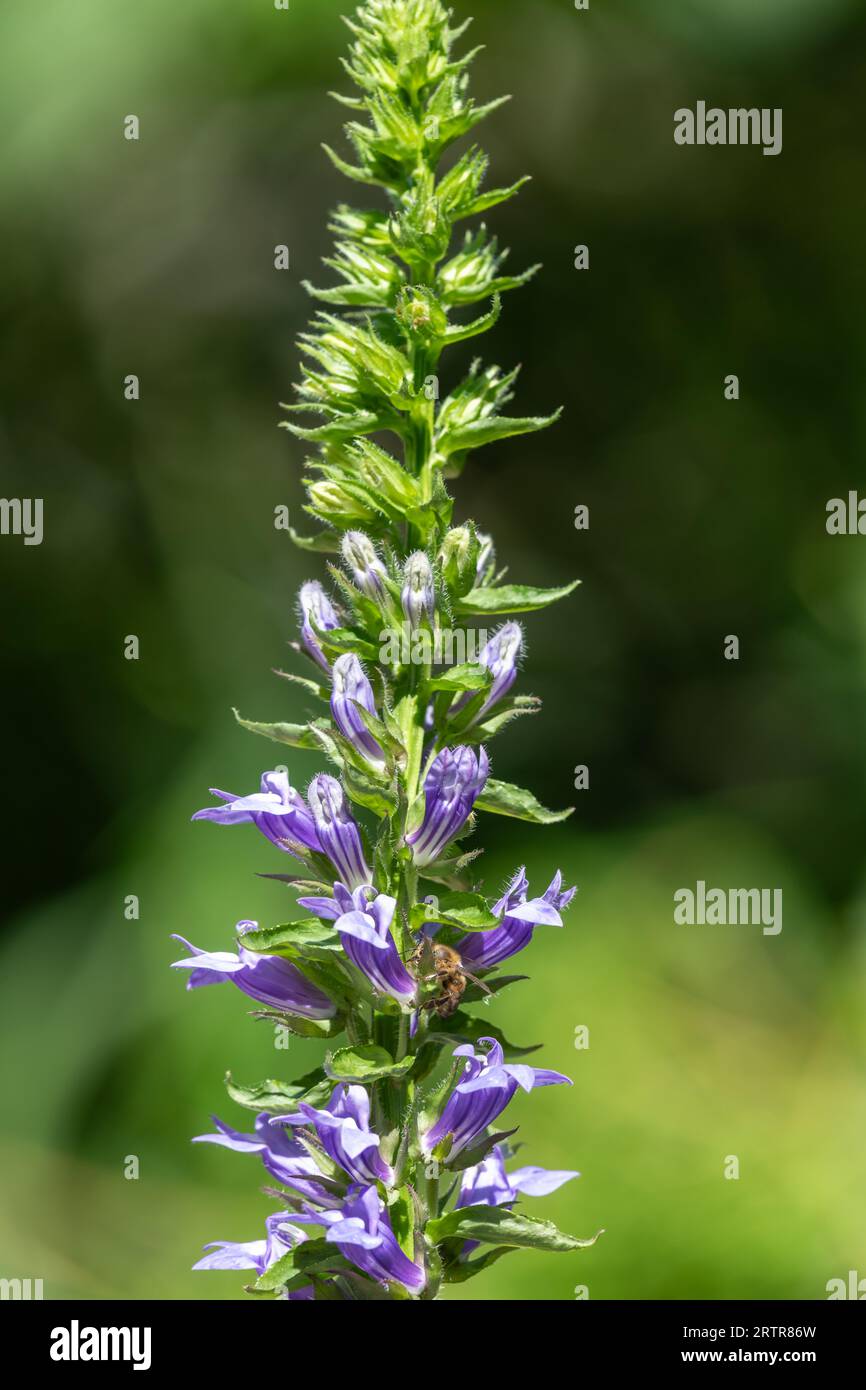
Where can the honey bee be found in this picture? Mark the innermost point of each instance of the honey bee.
(450, 974)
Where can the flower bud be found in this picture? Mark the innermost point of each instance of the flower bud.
(459, 557)
(337, 830)
(332, 502)
(361, 557)
(418, 596)
(420, 314)
(383, 475)
(456, 778)
(316, 612)
(350, 690)
(500, 655)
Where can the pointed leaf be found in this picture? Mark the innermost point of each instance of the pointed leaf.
(276, 1097)
(365, 1063)
(498, 1226)
(323, 543)
(309, 937)
(505, 799)
(491, 428)
(511, 598)
(295, 735)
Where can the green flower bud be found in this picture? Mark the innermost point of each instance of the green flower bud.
(333, 502)
(458, 558)
(383, 475)
(420, 314)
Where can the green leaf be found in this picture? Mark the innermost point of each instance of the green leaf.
(386, 740)
(318, 1254)
(319, 1028)
(469, 1157)
(504, 799)
(484, 201)
(467, 676)
(308, 937)
(497, 1226)
(401, 1213)
(461, 1270)
(323, 543)
(365, 1062)
(295, 735)
(469, 911)
(313, 687)
(345, 639)
(352, 171)
(277, 1275)
(364, 791)
(467, 1028)
(494, 984)
(510, 598)
(299, 1266)
(458, 332)
(312, 887)
(276, 1097)
(412, 733)
(489, 429)
(502, 714)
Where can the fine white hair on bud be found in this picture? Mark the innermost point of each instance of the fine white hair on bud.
(362, 560)
(418, 596)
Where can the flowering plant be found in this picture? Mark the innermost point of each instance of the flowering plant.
(391, 1176)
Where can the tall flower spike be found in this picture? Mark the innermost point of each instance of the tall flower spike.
(403, 1183)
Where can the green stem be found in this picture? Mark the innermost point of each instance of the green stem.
(431, 1190)
(402, 1038)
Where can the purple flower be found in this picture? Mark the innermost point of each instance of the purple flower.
(351, 690)
(363, 919)
(337, 831)
(485, 1089)
(362, 559)
(418, 597)
(362, 1233)
(316, 613)
(500, 655)
(519, 917)
(254, 1254)
(278, 811)
(281, 813)
(489, 1183)
(283, 1156)
(343, 1128)
(451, 786)
(269, 979)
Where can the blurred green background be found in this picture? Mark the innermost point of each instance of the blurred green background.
(707, 518)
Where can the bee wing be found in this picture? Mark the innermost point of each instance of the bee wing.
(475, 980)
